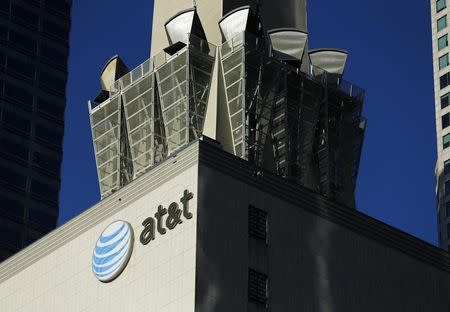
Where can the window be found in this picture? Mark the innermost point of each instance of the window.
(4, 6)
(11, 237)
(444, 80)
(440, 5)
(448, 230)
(22, 42)
(445, 121)
(447, 188)
(23, 69)
(41, 219)
(447, 209)
(442, 23)
(11, 209)
(58, 6)
(52, 82)
(12, 178)
(443, 42)
(45, 191)
(55, 30)
(443, 61)
(52, 136)
(16, 122)
(46, 162)
(257, 287)
(51, 109)
(14, 149)
(24, 16)
(19, 96)
(446, 140)
(445, 100)
(447, 167)
(54, 56)
(257, 223)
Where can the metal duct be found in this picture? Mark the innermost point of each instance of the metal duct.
(331, 60)
(238, 21)
(288, 44)
(183, 24)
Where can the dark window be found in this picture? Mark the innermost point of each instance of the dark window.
(32, 237)
(257, 287)
(3, 33)
(58, 6)
(12, 178)
(54, 56)
(11, 238)
(16, 122)
(447, 188)
(448, 230)
(19, 96)
(444, 80)
(447, 167)
(41, 219)
(44, 191)
(22, 42)
(24, 16)
(14, 149)
(46, 162)
(257, 223)
(48, 135)
(25, 70)
(447, 209)
(2, 60)
(445, 100)
(446, 141)
(4, 6)
(52, 109)
(56, 31)
(445, 121)
(53, 83)
(11, 209)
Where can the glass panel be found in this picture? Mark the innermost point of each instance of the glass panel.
(446, 140)
(442, 23)
(445, 100)
(232, 61)
(440, 5)
(443, 42)
(173, 80)
(443, 61)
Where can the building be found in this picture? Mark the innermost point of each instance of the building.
(34, 48)
(247, 243)
(227, 164)
(439, 12)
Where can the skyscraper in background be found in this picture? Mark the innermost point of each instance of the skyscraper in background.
(34, 49)
(441, 68)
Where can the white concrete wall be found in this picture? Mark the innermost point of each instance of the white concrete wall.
(159, 276)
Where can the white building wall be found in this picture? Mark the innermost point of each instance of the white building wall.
(159, 276)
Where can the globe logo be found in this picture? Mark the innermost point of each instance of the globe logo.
(112, 251)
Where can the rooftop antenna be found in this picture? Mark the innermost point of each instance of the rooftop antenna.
(194, 2)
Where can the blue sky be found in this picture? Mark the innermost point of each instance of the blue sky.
(390, 57)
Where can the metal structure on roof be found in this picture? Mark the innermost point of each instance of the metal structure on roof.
(278, 105)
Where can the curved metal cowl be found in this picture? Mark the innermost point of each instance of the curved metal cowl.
(288, 44)
(237, 21)
(113, 70)
(331, 60)
(184, 23)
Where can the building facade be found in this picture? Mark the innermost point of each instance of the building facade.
(227, 240)
(34, 49)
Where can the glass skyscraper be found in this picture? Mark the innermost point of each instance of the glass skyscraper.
(34, 48)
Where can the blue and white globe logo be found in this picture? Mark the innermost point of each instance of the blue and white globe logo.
(112, 251)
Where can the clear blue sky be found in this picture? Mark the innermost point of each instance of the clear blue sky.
(390, 56)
